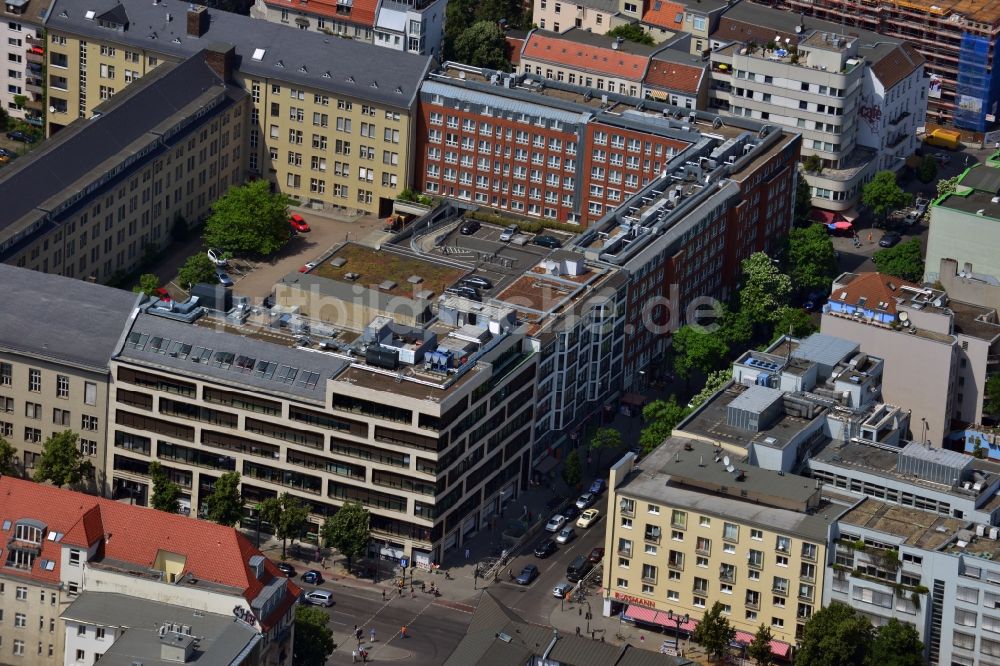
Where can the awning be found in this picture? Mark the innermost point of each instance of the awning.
(546, 465)
(633, 399)
(652, 616)
(842, 225)
(778, 648)
(825, 216)
(657, 95)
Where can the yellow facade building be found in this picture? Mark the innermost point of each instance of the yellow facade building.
(688, 529)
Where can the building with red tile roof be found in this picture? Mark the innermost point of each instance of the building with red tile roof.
(665, 15)
(678, 78)
(59, 543)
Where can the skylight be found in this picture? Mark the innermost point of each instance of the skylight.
(258, 54)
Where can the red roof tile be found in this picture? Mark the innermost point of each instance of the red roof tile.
(585, 57)
(664, 15)
(875, 288)
(362, 11)
(133, 534)
(675, 76)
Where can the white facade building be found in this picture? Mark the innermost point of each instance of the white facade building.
(24, 54)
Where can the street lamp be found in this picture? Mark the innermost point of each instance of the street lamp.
(678, 619)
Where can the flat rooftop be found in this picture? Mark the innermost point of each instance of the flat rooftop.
(410, 276)
(975, 321)
(972, 203)
(59, 318)
(921, 529)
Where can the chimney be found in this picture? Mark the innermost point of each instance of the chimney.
(220, 58)
(197, 20)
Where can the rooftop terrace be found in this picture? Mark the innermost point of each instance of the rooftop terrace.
(921, 529)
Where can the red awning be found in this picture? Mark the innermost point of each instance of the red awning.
(642, 614)
(778, 648)
(826, 216)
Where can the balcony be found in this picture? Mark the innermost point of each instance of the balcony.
(900, 118)
(33, 86)
(35, 54)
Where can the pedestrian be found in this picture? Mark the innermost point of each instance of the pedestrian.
(364, 656)
(402, 631)
(373, 635)
(383, 595)
(467, 553)
(354, 656)
(869, 237)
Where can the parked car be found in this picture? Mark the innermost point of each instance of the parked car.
(528, 574)
(911, 218)
(286, 568)
(545, 548)
(469, 227)
(566, 535)
(298, 223)
(18, 135)
(477, 282)
(312, 577)
(465, 291)
(162, 294)
(508, 233)
(921, 204)
(598, 487)
(307, 267)
(890, 239)
(550, 242)
(4, 152)
(596, 555)
(585, 500)
(555, 523)
(320, 598)
(578, 568)
(217, 257)
(224, 278)
(570, 513)
(561, 590)
(588, 518)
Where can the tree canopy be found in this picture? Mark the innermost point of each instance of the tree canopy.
(482, 45)
(714, 632)
(715, 381)
(947, 186)
(991, 405)
(605, 439)
(836, 635)
(197, 268)
(903, 261)
(632, 32)
(287, 514)
(148, 284)
(927, 169)
(803, 202)
(249, 218)
(8, 458)
(811, 258)
(572, 470)
(166, 493)
(225, 504)
(765, 289)
(348, 531)
(695, 349)
(460, 15)
(897, 644)
(794, 321)
(759, 649)
(62, 463)
(313, 639)
(882, 194)
(661, 417)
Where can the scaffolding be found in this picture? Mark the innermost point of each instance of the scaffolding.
(972, 90)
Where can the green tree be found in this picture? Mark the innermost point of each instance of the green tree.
(715, 381)
(197, 268)
(947, 186)
(8, 458)
(20, 101)
(225, 503)
(482, 45)
(793, 321)
(737, 329)
(348, 531)
(812, 164)
(697, 349)
(759, 649)
(903, 261)
(660, 417)
(313, 639)
(288, 515)
(458, 16)
(62, 463)
(991, 405)
(604, 439)
(803, 202)
(633, 32)
(882, 194)
(148, 284)
(166, 493)
(897, 644)
(572, 471)
(495, 11)
(714, 632)
(835, 636)
(765, 289)
(812, 260)
(249, 218)
(927, 169)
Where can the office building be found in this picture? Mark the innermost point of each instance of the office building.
(413, 26)
(24, 46)
(856, 97)
(103, 194)
(180, 577)
(329, 137)
(428, 426)
(955, 343)
(956, 37)
(56, 340)
(963, 226)
(688, 528)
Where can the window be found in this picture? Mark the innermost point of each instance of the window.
(32, 410)
(99, 633)
(649, 573)
(90, 393)
(81, 630)
(20, 620)
(6, 370)
(622, 583)
(677, 518)
(21, 594)
(965, 618)
(34, 380)
(18, 647)
(757, 535)
(88, 422)
(730, 532)
(704, 521)
(74, 557)
(809, 551)
(777, 623)
(783, 544)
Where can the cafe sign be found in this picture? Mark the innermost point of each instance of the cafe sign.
(637, 601)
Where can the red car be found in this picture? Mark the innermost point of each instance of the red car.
(298, 223)
(163, 294)
(307, 267)
(596, 555)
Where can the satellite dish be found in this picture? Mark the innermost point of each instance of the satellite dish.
(730, 469)
(725, 461)
(903, 316)
(798, 28)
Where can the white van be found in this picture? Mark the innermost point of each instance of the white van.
(320, 598)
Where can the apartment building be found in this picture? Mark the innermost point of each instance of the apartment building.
(687, 528)
(429, 427)
(956, 37)
(90, 207)
(24, 45)
(963, 226)
(677, 78)
(956, 344)
(597, 16)
(54, 375)
(413, 26)
(663, 19)
(856, 97)
(335, 138)
(66, 550)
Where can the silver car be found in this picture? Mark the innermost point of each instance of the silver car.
(561, 590)
(508, 233)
